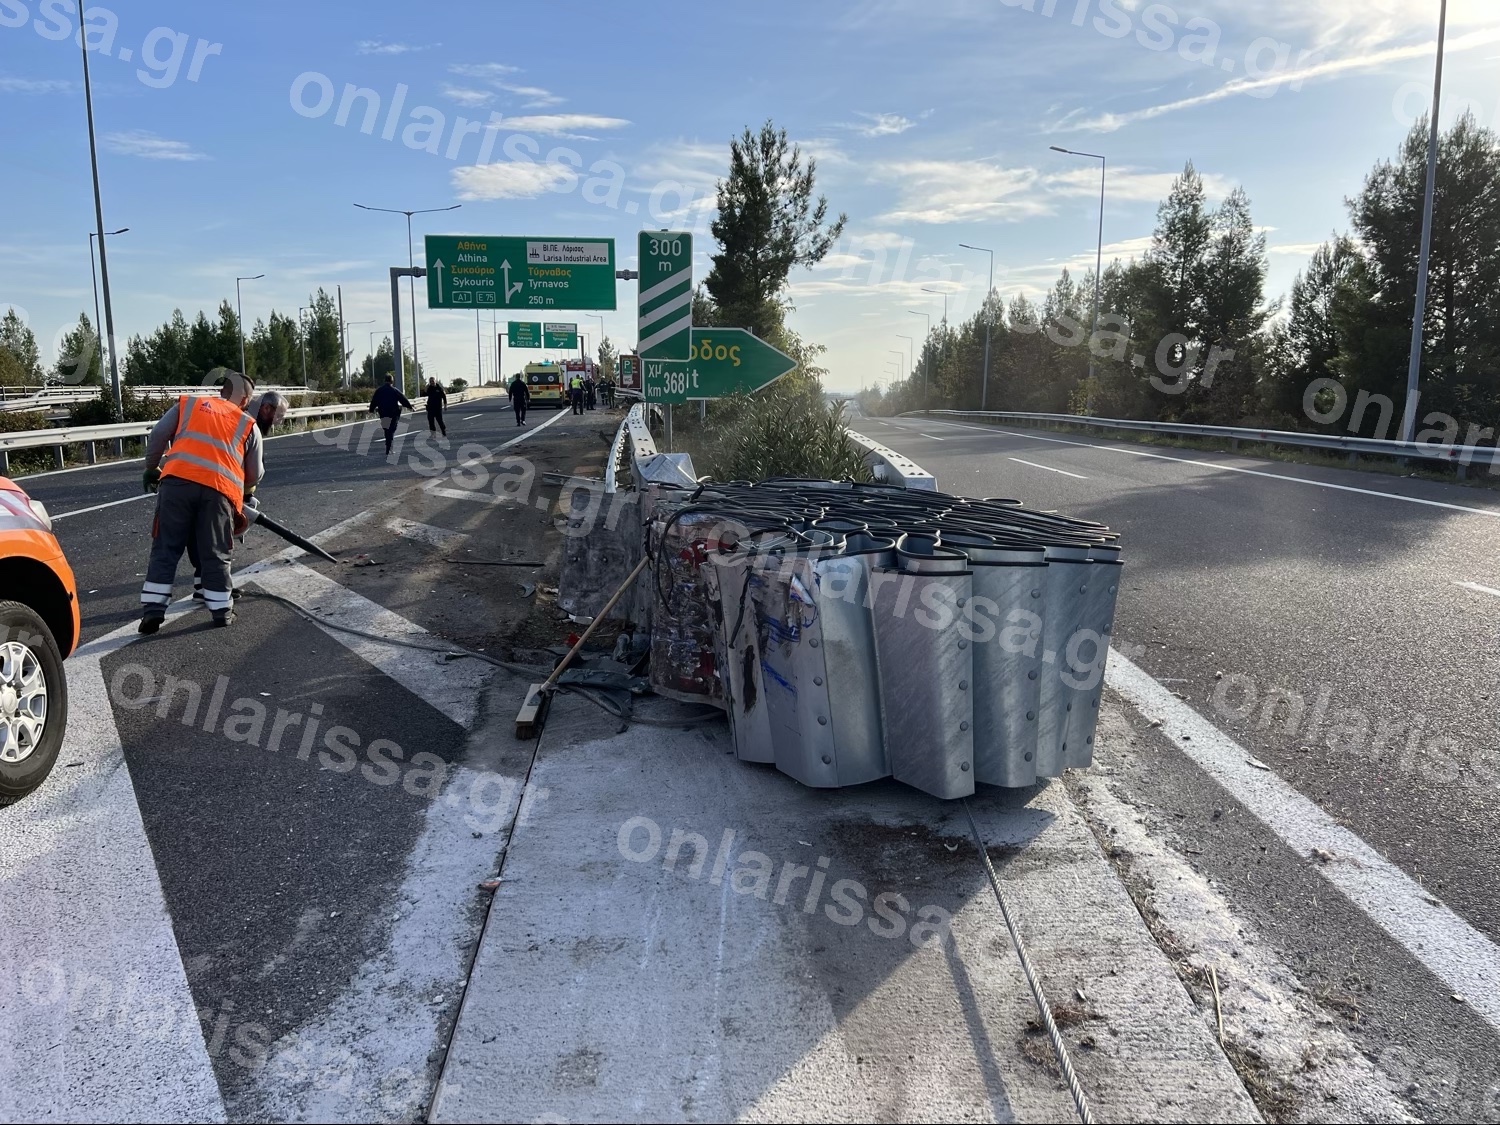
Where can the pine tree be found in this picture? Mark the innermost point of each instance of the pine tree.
(18, 339)
(79, 358)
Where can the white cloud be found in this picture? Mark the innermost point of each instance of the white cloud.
(139, 142)
(379, 47)
(467, 95)
(1299, 249)
(12, 85)
(882, 124)
(695, 164)
(562, 124)
(483, 70)
(538, 97)
(510, 180)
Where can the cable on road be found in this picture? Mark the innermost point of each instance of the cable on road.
(1080, 1101)
(594, 695)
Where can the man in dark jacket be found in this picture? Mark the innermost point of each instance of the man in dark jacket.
(520, 396)
(437, 398)
(387, 402)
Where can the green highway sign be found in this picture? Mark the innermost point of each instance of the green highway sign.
(724, 361)
(560, 335)
(478, 271)
(524, 334)
(665, 304)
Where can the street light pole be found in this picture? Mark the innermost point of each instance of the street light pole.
(412, 279)
(1414, 361)
(1098, 257)
(109, 312)
(95, 276)
(927, 366)
(239, 312)
(911, 359)
(302, 339)
(984, 384)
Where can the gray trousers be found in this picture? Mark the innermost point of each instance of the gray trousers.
(189, 512)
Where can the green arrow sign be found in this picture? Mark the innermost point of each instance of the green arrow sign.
(665, 310)
(560, 335)
(478, 271)
(724, 361)
(524, 334)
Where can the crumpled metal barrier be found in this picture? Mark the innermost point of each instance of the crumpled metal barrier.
(854, 632)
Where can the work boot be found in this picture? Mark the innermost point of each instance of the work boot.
(224, 617)
(151, 619)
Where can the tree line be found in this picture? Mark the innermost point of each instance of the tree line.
(1186, 333)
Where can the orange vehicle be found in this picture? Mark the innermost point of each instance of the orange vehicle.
(39, 626)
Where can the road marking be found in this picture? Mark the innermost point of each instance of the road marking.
(425, 532)
(471, 417)
(1481, 589)
(1456, 953)
(1049, 468)
(81, 898)
(97, 507)
(465, 494)
(1236, 469)
(932, 437)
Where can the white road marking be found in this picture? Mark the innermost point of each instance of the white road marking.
(471, 417)
(465, 494)
(1049, 468)
(94, 960)
(425, 532)
(1481, 589)
(932, 437)
(97, 507)
(1492, 513)
(1456, 953)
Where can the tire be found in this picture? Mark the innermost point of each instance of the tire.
(28, 656)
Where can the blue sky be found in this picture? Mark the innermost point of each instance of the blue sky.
(930, 121)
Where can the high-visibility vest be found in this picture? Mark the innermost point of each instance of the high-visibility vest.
(209, 445)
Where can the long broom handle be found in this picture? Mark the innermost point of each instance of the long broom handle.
(594, 624)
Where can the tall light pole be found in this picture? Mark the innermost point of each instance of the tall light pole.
(1098, 256)
(109, 312)
(478, 349)
(302, 339)
(1414, 361)
(411, 281)
(911, 359)
(984, 383)
(944, 295)
(344, 326)
(94, 274)
(239, 312)
(900, 355)
(927, 366)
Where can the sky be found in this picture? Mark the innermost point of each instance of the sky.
(233, 142)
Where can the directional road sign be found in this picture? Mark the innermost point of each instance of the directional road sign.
(666, 294)
(630, 372)
(724, 361)
(473, 271)
(560, 335)
(524, 334)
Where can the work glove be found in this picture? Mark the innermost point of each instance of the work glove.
(241, 523)
(150, 479)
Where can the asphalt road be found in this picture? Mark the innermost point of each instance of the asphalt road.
(282, 871)
(1368, 599)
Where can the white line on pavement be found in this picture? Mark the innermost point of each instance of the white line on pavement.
(471, 417)
(1049, 468)
(424, 532)
(1493, 514)
(1455, 952)
(932, 437)
(97, 507)
(1478, 588)
(95, 961)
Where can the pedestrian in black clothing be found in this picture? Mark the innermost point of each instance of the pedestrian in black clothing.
(588, 393)
(387, 402)
(520, 396)
(437, 398)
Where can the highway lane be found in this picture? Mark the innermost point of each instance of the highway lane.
(287, 878)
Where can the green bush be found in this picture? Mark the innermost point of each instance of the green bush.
(458, 385)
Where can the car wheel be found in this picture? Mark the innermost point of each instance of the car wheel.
(33, 701)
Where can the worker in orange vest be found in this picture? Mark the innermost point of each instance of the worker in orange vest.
(202, 460)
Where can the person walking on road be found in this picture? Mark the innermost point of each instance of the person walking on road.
(588, 392)
(520, 397)
(387, 402)
(203, 459)
(575, 394)
(437, 398)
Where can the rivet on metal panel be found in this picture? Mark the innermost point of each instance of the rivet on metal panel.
(1030, 717)
(822, 720)
(1028, 755)
(1095, 703)
(1111, 589)
(1036, 593)
(1069, 707)
(813, 642)
(963, 726)
(827, 761)
(1089, 740)
(818, 681)
(1083, 589)
(1031, 675)
(963, 644)
(963, 685)
(964, 766)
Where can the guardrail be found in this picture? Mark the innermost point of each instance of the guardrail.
(892, 467)
(58, 437)
(1460, 456)
(41, 398)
